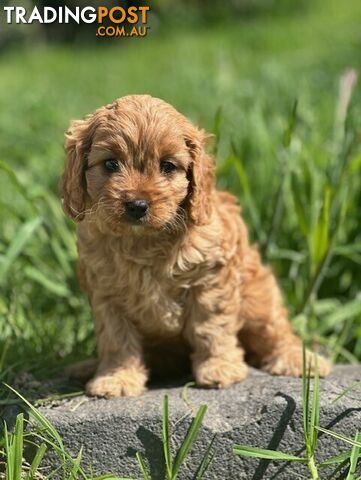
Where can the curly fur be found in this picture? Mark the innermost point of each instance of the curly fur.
(182, 283)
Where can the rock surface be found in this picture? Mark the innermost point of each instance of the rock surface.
(262, 411)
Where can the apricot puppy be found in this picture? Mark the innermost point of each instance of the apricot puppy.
(164, 257)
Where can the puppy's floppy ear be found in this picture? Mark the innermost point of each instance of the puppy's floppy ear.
(73, 183)
(201, 177)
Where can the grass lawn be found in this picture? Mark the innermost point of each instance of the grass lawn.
(297, 176)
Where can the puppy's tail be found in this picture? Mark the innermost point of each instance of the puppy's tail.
(83, 370)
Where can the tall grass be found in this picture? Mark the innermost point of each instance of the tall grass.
(295, 167)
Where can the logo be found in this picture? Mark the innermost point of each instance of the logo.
(117, 21)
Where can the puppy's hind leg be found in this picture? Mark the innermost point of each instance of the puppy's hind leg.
(83, 370)
(266, 331)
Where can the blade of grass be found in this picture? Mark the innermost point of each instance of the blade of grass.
(255, 452)
(16, 183)
(206, 460)
(354, 457)
(36, 461)
(218, 118)
(60, 396)
(292, 118)
(76, 465)
(66, 458)
(245, 186)
(342, 457)
(315, 413)
(339, 436)
(166, 438)
(189, 440)
(43, 421)
(300, 210)
(23, 235)
(143, 467)
(57, 288)
(339, 468)
(320, 235)
(18, 442)
(284, 174)
(3, 354)
(346, 391)
(9, 472)
(48, 427)
(305, 395)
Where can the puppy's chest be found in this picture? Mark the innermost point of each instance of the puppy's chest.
(149, 296)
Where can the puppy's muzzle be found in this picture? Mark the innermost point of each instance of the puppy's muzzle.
(136, 209)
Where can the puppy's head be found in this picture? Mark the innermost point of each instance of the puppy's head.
(137, 163)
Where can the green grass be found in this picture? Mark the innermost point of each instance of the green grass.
(268, 87)
(172, 467)
(41, 435)
(295, 171)
(311, 429)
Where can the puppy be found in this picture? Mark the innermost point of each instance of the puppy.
(164, 257)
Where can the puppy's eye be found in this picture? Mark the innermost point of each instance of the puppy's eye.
(111, 165)
(167, 167)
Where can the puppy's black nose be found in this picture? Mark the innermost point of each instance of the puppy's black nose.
(137, 208)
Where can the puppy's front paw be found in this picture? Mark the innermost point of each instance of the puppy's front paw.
(289, 362)
(219, 372)
(118, 383)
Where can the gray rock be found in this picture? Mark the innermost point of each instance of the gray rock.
(262, 411)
